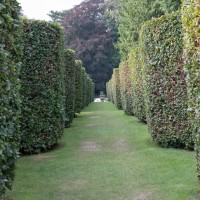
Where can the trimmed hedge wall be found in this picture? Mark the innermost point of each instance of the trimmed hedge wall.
(88, 90)
(92, 91)
(116, 88)
(191, 29)
(165, 86)
(10, 63)
(138, 102)
(78, 86)
(126, 88)
(42, 79)
(69, 63)
(84, 88)
(109, 90)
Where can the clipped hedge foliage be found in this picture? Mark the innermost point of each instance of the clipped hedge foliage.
(116, 88)
(165, 86)
(78, 87)
(134, 61)
(42, 79)
(191, 30)
(126, 88)
(92, 92)
(69, 64)
(109, 90)
(84, 87)
(88, 91)
(10, 63)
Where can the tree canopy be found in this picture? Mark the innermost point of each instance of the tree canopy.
(89, 33)
(130, 15)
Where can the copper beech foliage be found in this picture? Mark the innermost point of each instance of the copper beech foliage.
(88, 33)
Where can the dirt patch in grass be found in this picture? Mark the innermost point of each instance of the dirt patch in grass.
(73, 185)
(94, 125)
(145, 195)
(90, 125)
(90, 146)
(94, 117)
(196, 198)
(120, 145)
(42, 157)
(142, 195)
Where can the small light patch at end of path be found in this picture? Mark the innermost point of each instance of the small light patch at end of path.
(42, 157)
(120, 145)
(90, 146)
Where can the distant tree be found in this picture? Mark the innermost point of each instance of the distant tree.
(131, 14)
(58, 16)
(92, 35)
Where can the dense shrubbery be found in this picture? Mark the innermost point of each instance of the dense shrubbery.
(126, 88)
(165, 86)
(138, 103)
(10, 58)
(78, 86)
(116, 88)
(69, 63)
(84, 88)
(42, 79)
(109, 90)
(191, 30)
(88, 90)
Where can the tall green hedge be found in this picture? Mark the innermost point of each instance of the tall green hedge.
(10, 58)
(126, 88)
(109, 90)
(88, 90)
(84, 87)
(134, 62)
(69, 64)
(42, 79)
(165, 86)
(116, 88)
(78, 87)
(92, 91)
(191, 30)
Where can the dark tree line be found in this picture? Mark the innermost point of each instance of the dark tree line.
(91, 34)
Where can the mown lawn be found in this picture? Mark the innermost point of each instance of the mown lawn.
(106, 155)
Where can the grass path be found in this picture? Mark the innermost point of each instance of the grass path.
(107, 155)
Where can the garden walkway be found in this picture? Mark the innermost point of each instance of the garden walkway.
(106, 155)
